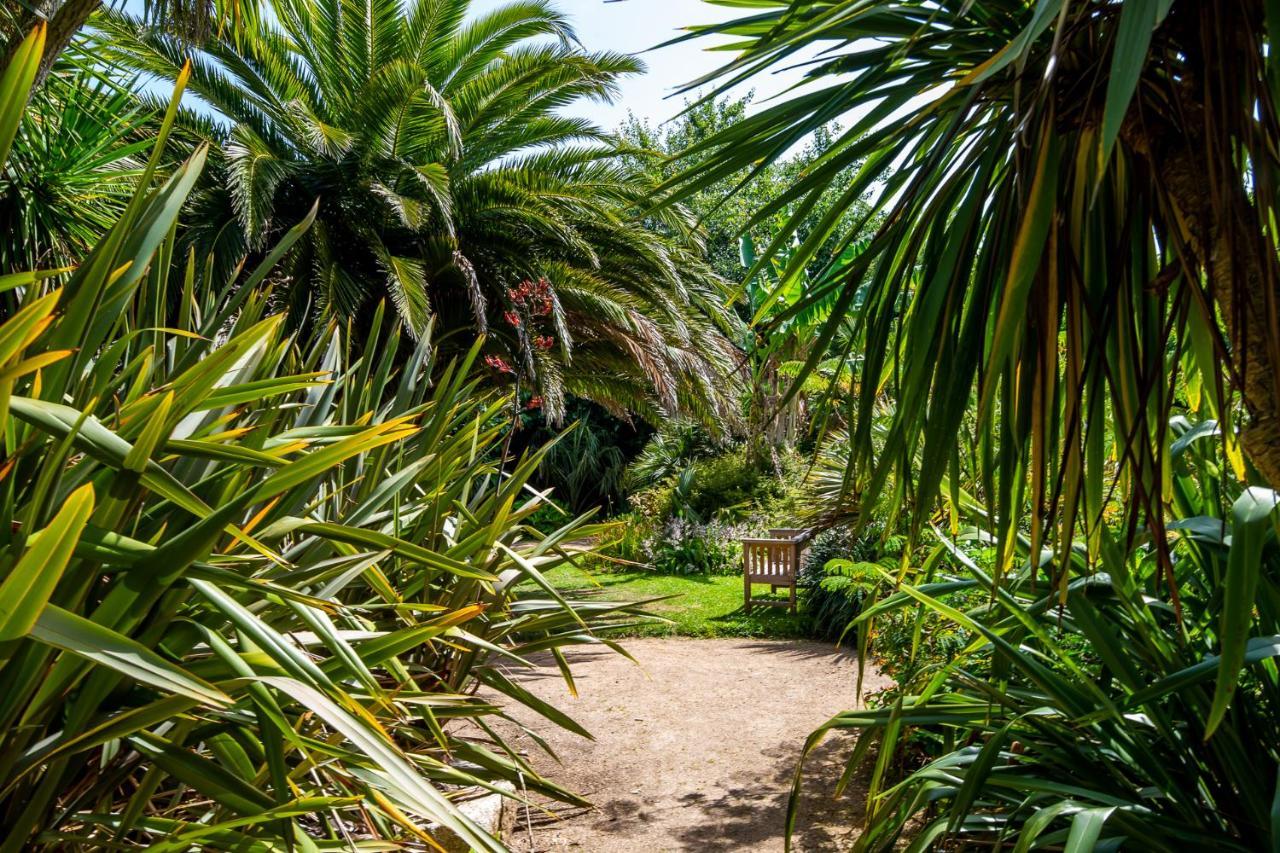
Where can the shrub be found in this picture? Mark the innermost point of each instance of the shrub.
(728, 486)
(685, 547)
(1017, 741)
(834, 598)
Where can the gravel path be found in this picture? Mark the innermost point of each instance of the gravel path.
(694, 748)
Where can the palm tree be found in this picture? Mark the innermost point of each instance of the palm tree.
(1079, 205)
(1079, 240)
(450, 182)
(71, 169)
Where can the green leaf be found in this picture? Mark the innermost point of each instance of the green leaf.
(77, 635)
(26, 590)
(15, 86)
(1250, 525)
(1028, 252)
(1138, 19)
(1086, 826)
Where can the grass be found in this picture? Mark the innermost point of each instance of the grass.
(695, 605)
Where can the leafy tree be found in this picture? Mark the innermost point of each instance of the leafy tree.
(1078, 240)
(1076, 204)
(726, 208)
(741, 216)
(451, 181)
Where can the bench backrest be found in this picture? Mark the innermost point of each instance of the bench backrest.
(770, 560)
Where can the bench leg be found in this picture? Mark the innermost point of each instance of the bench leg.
(793, 599)
(746, 594)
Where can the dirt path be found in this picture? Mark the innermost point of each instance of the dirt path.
(695, 748)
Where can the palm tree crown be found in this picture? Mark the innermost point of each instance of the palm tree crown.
(450, 182)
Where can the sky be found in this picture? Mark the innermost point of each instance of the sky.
(636, 26)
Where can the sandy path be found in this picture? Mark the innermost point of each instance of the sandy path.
(695, 747)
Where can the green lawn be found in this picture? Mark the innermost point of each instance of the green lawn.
(699, 606)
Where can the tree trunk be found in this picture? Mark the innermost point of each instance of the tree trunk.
(63, 26)
(1210, 207)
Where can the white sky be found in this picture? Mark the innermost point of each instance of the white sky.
(636, 26)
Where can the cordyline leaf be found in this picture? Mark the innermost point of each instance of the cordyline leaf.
(1138, 18)
(1086, 826)
(77, 635)
(26, 590)
(23, 279)
(15, 86)
(1028, 251)
(205, 776)
(1250, 524)
(393, 773)
(123, 724)
(294, 808)
(24, 326)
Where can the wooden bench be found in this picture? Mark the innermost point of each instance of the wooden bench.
(774, 560)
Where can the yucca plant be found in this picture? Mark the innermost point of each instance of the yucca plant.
(452, 183)
(249, 582)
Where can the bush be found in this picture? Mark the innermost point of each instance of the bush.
(833, 599)
(694, 521)
(837, 578)
(685, 547)
(1020, 738)
(729, 486)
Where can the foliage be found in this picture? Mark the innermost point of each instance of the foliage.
(669, 452)
(726, 210)
(1110, 717)
(451, 182)
(587, 467)
(1043, 253)
(834, 595)
(249, 581)
(693, 478)
(71, 169)
(725, 215)
(684, 547)
(1077, 241)
(63, 20)
(730, 485)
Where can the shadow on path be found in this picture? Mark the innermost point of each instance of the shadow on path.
(695, 748)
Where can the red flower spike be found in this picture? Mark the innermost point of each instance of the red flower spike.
(498, 363)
